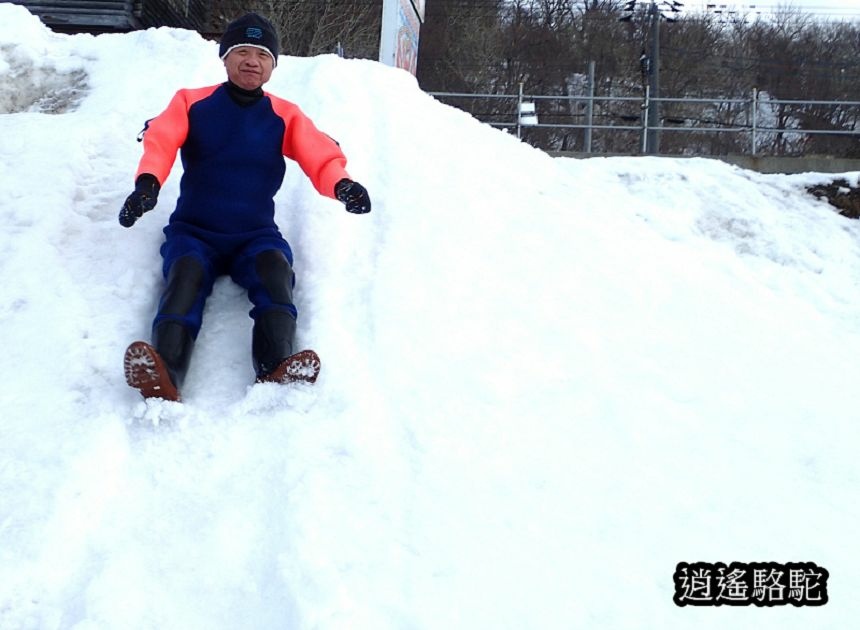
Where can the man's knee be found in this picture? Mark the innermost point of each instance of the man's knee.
(276, 275)
(185, 284)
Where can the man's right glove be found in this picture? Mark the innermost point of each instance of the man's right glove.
(353, 195)
(143, 199)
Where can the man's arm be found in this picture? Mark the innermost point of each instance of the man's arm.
(318, 155)
(166, 133)
(162, 137)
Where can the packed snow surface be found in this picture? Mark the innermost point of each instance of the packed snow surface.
(545, 381)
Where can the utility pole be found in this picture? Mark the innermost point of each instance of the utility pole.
(650, 64)
(653, 137)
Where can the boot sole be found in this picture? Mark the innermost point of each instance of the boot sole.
(301, 367)
(146, 371)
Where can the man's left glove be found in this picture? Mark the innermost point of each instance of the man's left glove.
(353, 195)
(143, 199)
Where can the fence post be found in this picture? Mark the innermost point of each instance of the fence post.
(589, 112)
(519, 109)
(645, 105)
(754, 119)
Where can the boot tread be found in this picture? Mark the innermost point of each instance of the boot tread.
(147, 372)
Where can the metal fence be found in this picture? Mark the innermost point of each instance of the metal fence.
(751, 117)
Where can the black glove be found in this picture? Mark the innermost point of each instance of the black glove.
(143, 199)
(353, 195)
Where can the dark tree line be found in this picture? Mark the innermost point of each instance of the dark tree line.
(492, 46)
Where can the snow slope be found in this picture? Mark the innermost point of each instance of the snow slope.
(545, 381)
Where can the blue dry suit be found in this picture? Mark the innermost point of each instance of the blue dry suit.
(232, 144)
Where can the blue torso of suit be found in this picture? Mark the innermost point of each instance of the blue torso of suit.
(233, 165)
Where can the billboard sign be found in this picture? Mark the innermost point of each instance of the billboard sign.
(401, 23)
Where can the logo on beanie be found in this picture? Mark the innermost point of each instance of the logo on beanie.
(253, 32)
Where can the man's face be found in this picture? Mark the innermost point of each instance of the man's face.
(249, 67)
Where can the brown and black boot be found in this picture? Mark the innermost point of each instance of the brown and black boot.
(303, 366)
(147, 372)
(272, 350)
(158, 370)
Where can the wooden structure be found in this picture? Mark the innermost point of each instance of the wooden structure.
(101, 16)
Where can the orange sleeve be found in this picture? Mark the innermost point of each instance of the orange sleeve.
(318, 155)
(166, 133)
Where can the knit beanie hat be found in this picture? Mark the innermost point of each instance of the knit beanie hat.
(250, 30)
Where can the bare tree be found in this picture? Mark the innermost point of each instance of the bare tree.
(312, 27)
(494, 46)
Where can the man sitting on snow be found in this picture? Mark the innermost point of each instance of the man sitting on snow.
(233, 138)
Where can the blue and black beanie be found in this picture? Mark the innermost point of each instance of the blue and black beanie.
(250, 30)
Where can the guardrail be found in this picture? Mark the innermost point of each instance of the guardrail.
(755, 112)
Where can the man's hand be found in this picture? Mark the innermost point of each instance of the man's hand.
(143, 199)
(353, 195)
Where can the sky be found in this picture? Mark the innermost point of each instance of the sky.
(545, 382)
(829, 9)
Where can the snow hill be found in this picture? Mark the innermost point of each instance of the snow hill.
(545, 382)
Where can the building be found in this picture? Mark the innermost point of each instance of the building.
(105, 16)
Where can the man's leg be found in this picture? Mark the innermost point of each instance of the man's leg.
(265, 270)
(180, 314)
(158, 370)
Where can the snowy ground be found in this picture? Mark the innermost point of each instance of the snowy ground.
(545, 381)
